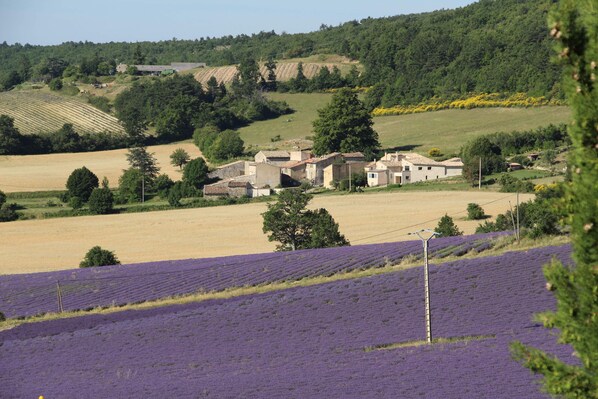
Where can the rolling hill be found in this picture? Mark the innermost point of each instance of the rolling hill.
(447, 129)
(285, 69)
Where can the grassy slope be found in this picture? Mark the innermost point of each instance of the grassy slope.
(447, 129)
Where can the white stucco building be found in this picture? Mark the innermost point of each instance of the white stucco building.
(405, 168)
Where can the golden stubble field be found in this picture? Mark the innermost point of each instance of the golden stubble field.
(50, 172)
(53, 244)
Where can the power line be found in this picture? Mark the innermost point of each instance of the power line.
(424, 222)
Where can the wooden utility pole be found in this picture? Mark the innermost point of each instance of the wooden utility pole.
(480, 175)
(59, 295)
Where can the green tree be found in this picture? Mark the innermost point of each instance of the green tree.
(300, 82)
(490, 153)
(162, 185)
(81, 183)
(179, 157)
(129, 186)
(248, 73)
(271, 84)
(2, 198)
(138, 55)
(475, 212)
(324, 231)
(101, 200)
(288, 221)
(97, 256)
(228, 144)
(145, 162)
(66, 139)
(195, 173)
(344, 125)
(11, 140)
(575, 26)
(294, 227)
(447, 228)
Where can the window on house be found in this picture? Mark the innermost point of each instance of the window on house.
(407, 168)
(426, 177)
(406, 177)
(372, 175)
(429, 168)
(419, 168)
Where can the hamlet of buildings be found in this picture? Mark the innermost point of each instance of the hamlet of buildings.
(161, 69)
(274, 169)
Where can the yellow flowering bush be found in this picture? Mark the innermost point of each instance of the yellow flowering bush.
(484, 100)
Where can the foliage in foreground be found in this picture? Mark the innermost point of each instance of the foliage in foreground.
(97, 256)
(575, 26)
(295, 227)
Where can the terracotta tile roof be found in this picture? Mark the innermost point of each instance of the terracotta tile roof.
(353, 155)
(293, 164)
(215, 190)
(238, 184)
(323, 158)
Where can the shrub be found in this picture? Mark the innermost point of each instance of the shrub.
(162, 185)
(81, 183)
(447, 228)
(175, 194)
(2, 317)
(55, 84)
(435, 152)
(2, 198)
(8, 212)
(475, 212)
(101, 201)
(75, 202)
(511, 184)
(97, 256)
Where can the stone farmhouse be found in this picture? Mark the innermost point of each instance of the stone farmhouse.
(160, 69)
(405, 168)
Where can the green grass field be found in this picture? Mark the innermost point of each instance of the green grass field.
(447, 129)
(296, 126)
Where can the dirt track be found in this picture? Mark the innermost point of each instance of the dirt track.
(42, 245)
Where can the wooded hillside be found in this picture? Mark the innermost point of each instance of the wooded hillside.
(489, 46)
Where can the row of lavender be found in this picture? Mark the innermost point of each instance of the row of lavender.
(303, 342)
(30, 294)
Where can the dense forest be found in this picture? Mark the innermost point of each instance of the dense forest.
(489, 46)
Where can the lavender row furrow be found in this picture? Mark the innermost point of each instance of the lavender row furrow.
(25, 295)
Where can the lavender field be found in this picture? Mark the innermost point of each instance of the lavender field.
(307, 342)
(32, 294)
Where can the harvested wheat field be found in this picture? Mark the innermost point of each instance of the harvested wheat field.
(50, 172)
(53, 244)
